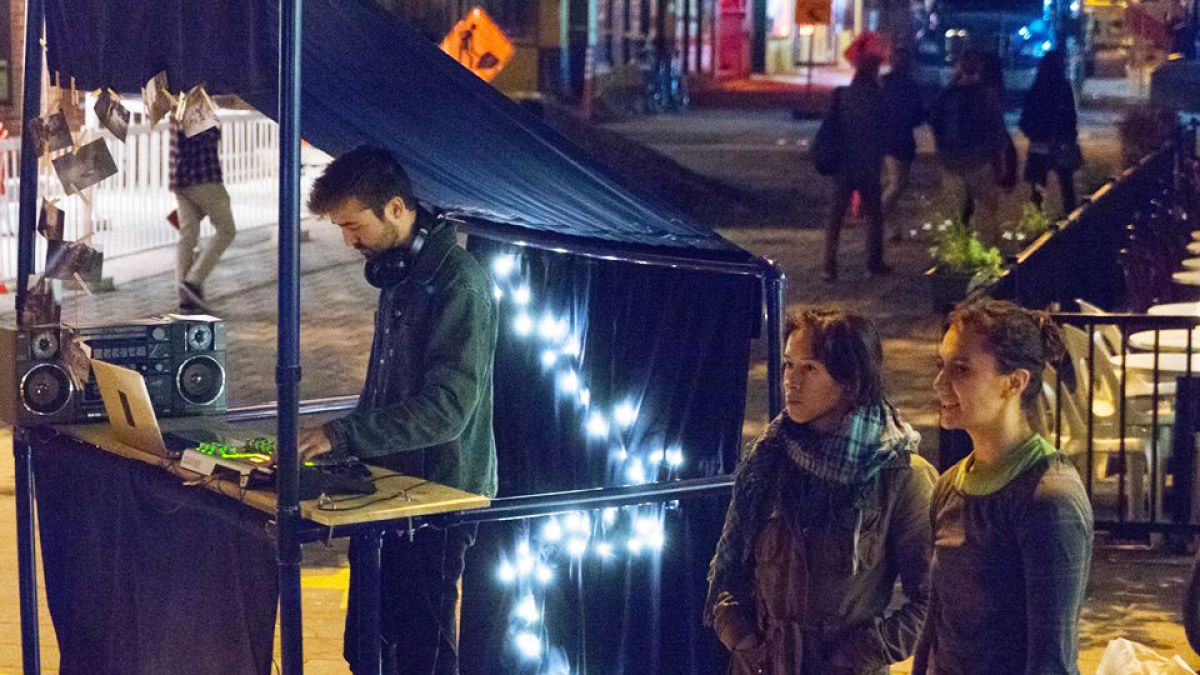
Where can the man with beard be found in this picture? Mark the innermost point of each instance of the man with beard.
(426, 407)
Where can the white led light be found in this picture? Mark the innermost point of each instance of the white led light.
(507, 573)
(577, 522)
(635, 545)
(523, 324)
(524, 566)
(610, 515)
(635, 473)
(527, 609)
(528, 644)
(548, 358)
(624, 414)
(656, 456)
(585, 397)
(551, 530)
(622, 455)
(544, 574)
(568, 381)
(503, 265)
(577, 547)
(561, 328)
(655, 540)
(650, 531)
(547, 327)
(571, 347)
(604, 549)
(597, 425)
(497, 293)
(674, 457)
(523, 549)
(522, 296)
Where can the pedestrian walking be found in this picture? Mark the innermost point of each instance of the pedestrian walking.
(968, 129)
(858, 112)
(1012, 524)
(830, 507)
(196, 179)
(1049, 121)
(905, 112)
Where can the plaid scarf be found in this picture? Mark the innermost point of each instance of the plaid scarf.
(815, 473)
(867, 439)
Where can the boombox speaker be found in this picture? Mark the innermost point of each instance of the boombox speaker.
(181, 358)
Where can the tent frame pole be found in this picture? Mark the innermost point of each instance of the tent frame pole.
(287, 372)
(25, 497)
(774, 285)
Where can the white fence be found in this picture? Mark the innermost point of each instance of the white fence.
(128, 211)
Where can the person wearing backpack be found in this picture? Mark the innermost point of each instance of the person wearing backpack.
(970, 138)
(850, 148)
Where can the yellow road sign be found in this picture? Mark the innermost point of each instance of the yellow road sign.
(478, 44)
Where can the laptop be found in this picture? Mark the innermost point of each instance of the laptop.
(130, 413)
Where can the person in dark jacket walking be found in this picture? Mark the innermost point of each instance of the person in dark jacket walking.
(426, 406)
(968, 128)
(905, 112)
(1012, 524)
(829, 508)
(860, 114)
(1049, 121)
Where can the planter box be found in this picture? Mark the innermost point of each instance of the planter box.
(946, 289)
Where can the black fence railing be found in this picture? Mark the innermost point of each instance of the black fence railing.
(1081, 255)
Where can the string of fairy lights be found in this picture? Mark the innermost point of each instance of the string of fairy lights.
(546, 545)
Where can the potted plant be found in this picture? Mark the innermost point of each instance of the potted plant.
(960, 262)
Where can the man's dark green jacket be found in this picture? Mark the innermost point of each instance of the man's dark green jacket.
(426, 407)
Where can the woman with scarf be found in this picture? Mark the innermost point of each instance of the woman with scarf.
(1012, 526)
(830, 506)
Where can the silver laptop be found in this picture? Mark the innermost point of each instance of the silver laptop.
(130, 413)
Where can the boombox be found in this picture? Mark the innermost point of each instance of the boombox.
(181, 358)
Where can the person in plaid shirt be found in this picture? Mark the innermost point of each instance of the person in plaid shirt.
(200, 191)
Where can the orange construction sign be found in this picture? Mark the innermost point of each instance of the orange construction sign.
(478, 43)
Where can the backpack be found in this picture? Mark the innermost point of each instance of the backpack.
(828, 143)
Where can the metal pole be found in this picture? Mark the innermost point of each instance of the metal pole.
(31, 99)
(774, 287)
(26, 553)
(31, 105)
(287, 374)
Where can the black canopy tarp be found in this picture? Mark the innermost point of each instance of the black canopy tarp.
(369, 78)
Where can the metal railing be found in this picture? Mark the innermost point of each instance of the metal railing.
(1128, 417)
(128, 211)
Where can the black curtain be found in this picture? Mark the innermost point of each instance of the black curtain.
(672, 346)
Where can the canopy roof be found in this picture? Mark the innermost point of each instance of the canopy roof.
(368, 78)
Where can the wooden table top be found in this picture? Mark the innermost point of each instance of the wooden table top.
(397, 497)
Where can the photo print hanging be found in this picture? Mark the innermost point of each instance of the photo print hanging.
(112, 115)
(51, 220)
(197, 113)
(157, 99)
(88, 165)
(74, 261)
(41, 307)
(50, 133)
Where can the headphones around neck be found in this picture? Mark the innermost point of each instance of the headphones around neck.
(393, 266)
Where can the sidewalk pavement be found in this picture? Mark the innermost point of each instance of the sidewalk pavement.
(809, 95)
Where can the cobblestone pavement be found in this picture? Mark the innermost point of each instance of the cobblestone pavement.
(1134, 592)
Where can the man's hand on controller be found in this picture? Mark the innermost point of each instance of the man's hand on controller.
(312, 443)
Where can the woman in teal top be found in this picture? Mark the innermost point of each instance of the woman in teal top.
(1012, 526)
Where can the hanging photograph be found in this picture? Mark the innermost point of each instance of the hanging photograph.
(41, 308)
(112, 115)
(66, 259)
(197, 112)
(76, 356)
(50, 133)
(157, 99)
(87, 166)
(50, 224)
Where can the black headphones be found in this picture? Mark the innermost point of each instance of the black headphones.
(393, 266)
